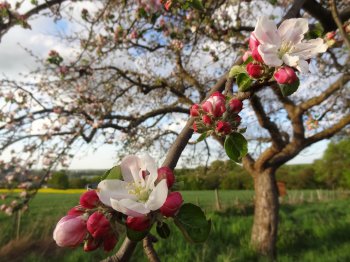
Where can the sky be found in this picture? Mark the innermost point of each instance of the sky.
(15, 60)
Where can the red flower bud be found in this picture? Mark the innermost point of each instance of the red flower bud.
(236, 105)
(109, 242)
(206, 120)
(255, 70)
(168, 174)
(253, 42)
(238, 120)
(98, 225)
(171, 204)
(75, 211)
(91, 244)
(285, 75)
(256, 56)
(194, 111)
(70, 231)
(195, 128)
(223, 128)
(89, 199)
(138, 223)
(330, 35)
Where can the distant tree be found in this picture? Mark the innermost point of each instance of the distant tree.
(77, 182)
(334, 168)
(59, 180)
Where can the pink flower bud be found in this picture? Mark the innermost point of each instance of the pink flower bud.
(91, 244)
(70, 231)
(285, 75)
(255, 70)
(171, 204)
(109, 242)
(246, 55)
(89, 199)
(75, 211)
(98, 225)
(215, 105)
(253, 42)
(256, 56)
(223, 128)
(168, 174)
(330, 35)
(236, 105)
(206, 120)
(138, 223)
(194, 111)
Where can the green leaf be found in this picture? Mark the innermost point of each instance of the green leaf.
(236, 70)
(249, 60)
(113, 173)
(136, 235)
(193, 223)
(287, 90)
(236, 146)
(202, 137)
(196, 4)
(163, 230)
(244, 82)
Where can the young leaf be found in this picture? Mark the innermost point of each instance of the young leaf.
(236, 70)
(202, 137)
(113, 173)
(193, 223)
(287, 90)
(244, 82)
(163, 230)
(236, 146)
(136, 235)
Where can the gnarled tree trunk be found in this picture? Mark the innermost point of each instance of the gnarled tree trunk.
(264, 232)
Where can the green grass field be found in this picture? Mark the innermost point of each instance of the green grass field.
(317, 231)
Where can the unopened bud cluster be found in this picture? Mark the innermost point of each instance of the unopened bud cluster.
(217, 114)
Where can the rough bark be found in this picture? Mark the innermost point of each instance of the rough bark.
(264, 232)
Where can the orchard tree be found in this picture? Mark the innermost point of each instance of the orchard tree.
(137, 67)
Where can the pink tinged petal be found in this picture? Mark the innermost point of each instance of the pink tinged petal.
(70, 231)
(207, 106)
(269, 55)
(130, 167)
(303, 66)
(158, 196)
(149, 164)
(113, 188)
(309, 49)
(266, 32)
(290, 60)
(130, 207)
(293, 30)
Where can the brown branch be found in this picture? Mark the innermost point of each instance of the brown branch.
(124, 253)
(339, 23)
(149, 249)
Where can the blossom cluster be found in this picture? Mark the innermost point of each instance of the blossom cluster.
(281, 52)
(217, 114)
(137, 202)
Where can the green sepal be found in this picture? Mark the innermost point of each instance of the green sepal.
(287, 90)
(244, 82)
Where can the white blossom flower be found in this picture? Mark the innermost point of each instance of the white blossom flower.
(137, 195)
(284, 45)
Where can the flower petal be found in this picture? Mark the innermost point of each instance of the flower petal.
(130, 207)
(148, 163)
(293, 30)
(130, 167)
(309, 49)
(266, 31)
(303, 66)
(269, 54)
(290, 60)
(112, 188)
(158, 196)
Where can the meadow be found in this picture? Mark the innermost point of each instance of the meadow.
(315, 226)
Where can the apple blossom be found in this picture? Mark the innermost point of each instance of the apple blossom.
(255, 70)
(89, 199)
(172, 204)
(236, 105)
(135, 196)
(168, 174)
(98, 225)
(253, 42)
(194, 111)
(284, 45)
(215, 105)
(207, 120)
(70, 231)
(223, 128)
(285, 75)
(138, 223)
